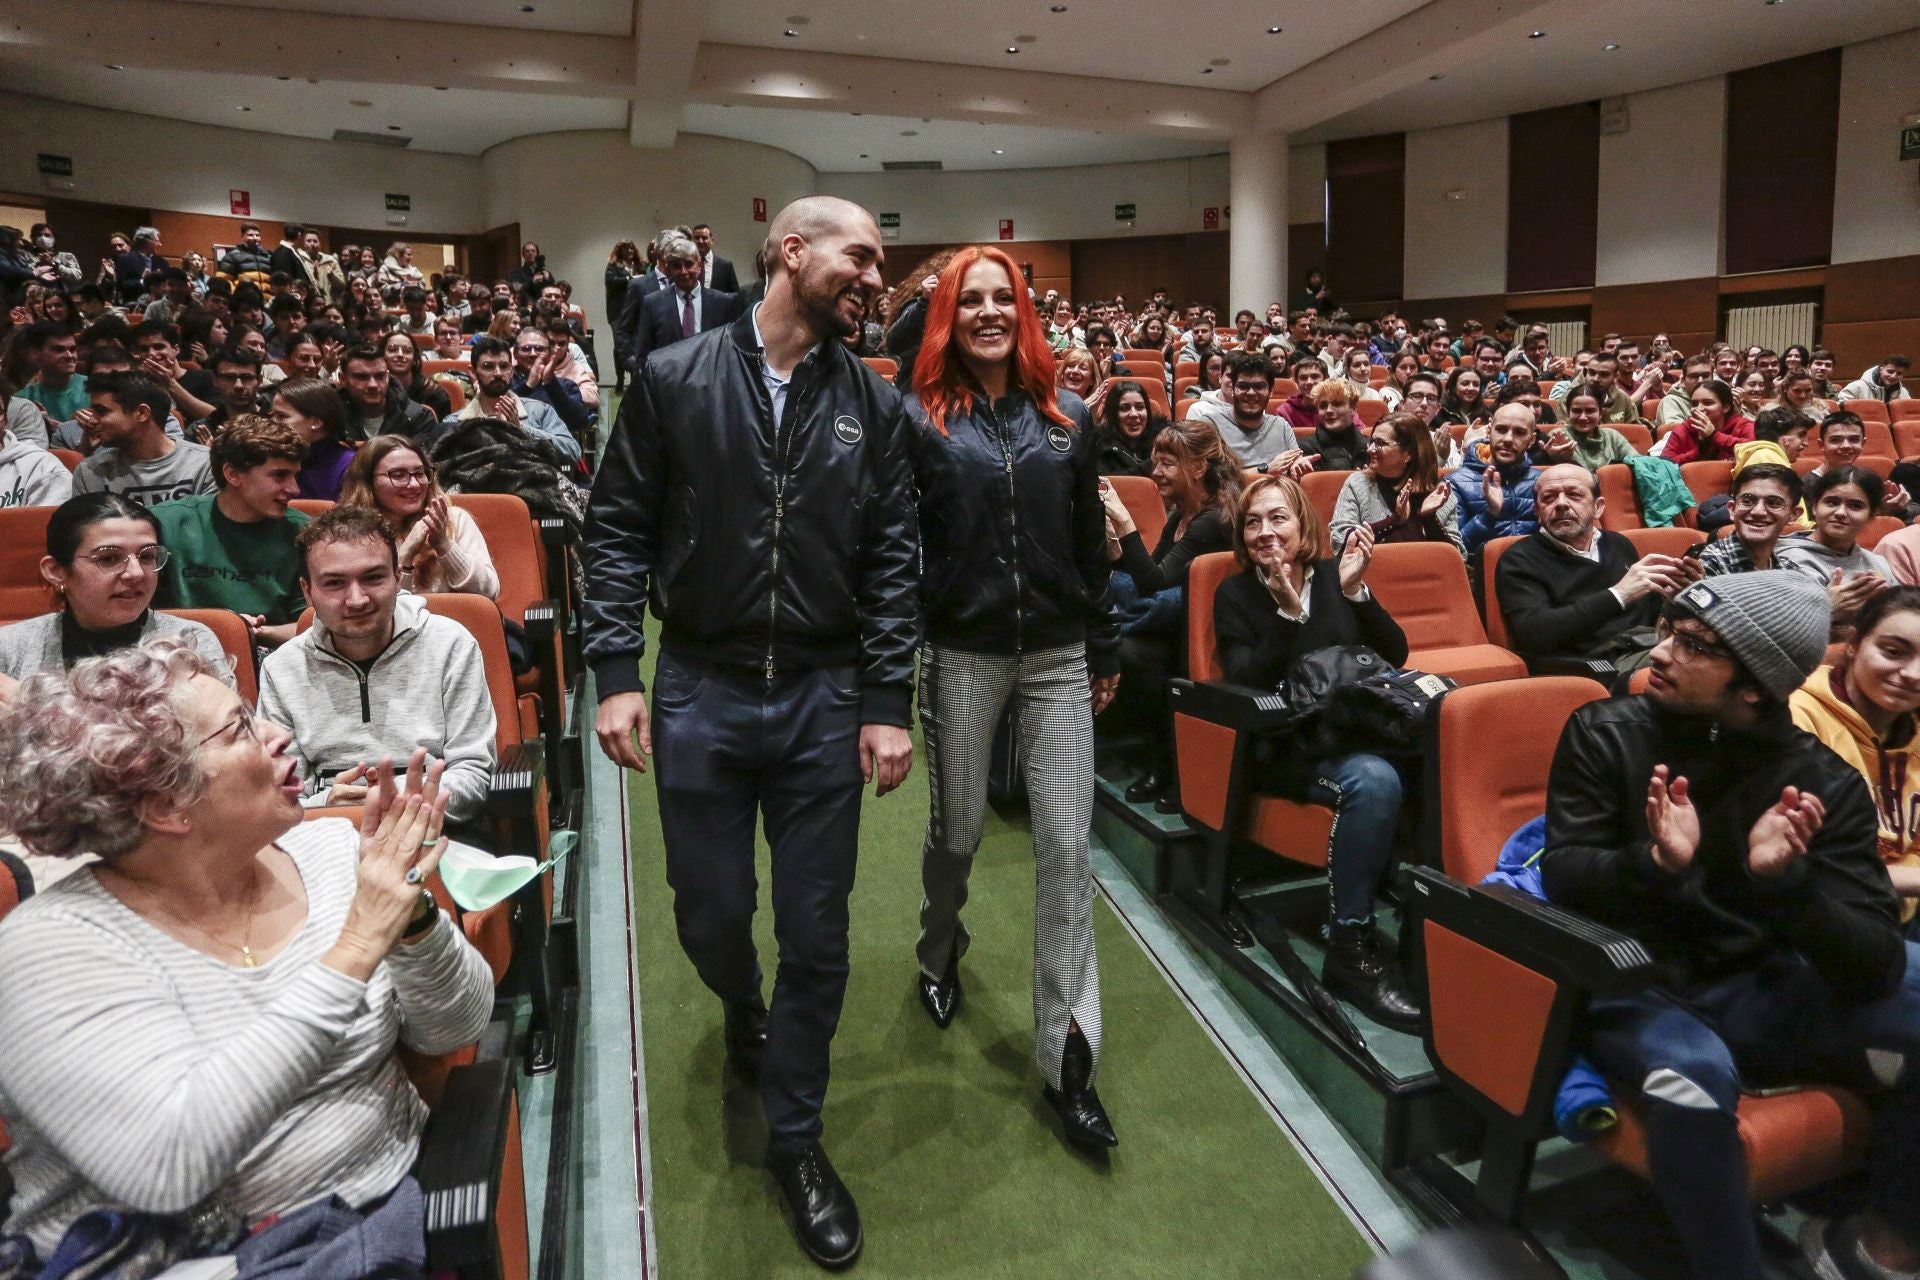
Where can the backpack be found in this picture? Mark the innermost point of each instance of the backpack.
(1347, 698)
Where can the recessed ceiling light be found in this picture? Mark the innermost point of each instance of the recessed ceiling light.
(1221, 62)
(909, 133)
(791, 34)
(115, 66)
(998, 151)
(1436, 77)
(1206, 71)
(283, 77)
(358, 102)
(1535, 35)
(1609, 48)
(394, 127)
(1057, 8)
(1013, 48)
(1776, 1)
(243, 108)
(526, 8)
(1274, 31)
(863, 155)
(440, 88)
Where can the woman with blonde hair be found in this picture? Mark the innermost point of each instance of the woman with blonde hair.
(1198, 480)
(1297, 594)
(1077, 371)
(440, 546)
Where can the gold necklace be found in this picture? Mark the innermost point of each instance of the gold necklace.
(247, 959)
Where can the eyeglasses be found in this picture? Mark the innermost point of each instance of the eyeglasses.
(1264, 388)
(114, 559)
(400, 479)
(1422, 397)
(1687, 645)
(1381, 446)
(241, 724)
(1748, 501)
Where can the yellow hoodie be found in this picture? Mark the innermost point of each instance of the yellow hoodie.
(1748, 452)
(1891, 767)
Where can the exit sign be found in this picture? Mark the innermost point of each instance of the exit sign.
(1123, 213)
(1910, 143)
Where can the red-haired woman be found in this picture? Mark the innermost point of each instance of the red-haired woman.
(1014, 598)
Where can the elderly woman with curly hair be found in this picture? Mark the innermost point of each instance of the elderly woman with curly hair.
(211, 1026)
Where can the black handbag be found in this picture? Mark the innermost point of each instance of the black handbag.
(1347, 698)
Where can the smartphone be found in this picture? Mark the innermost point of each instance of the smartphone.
(1695, 551)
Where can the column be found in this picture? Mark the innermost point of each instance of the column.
(1257, 231)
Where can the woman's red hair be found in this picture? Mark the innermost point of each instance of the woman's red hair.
(940, 376)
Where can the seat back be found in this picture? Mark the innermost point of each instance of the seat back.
(1666, 542)
(507, 525)
(428, 368)
(1904, 410)
(1878, 528)
(1707, 479)
(1623, 500)
(481, 617)
(1489, 580)
(1323, 490)
(23, 540)
(1906, 432)
(1424, 586)
(1204, 577)
(1369, 411)
(1637, 435)
(312, 508)
(881, 365)
(69, 458)
(230, 629)
(1133, 357)
(1487, 799)
(1870, 412)
(1180, 386)
(1142, 498)
(1879, 442)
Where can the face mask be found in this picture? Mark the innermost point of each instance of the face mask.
(478, 880)
(45, 242)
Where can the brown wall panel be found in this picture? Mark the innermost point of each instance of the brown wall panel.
(1783, 132)
(1366, 219)
(182, 233)
(1672, 307)
(1051, 260)
(83, 227)
(1884, 289)
(1191, 267)
(1863, 343)
(1552, 222)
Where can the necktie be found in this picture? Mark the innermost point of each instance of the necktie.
(686, 315)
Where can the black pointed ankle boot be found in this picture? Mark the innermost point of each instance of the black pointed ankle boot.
(1078, 1104)
(1361, 970)
(941, 996)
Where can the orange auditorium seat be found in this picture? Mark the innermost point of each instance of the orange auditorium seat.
(1424, 586)
(1142, 498)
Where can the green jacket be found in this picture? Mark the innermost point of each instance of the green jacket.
(1602, 447)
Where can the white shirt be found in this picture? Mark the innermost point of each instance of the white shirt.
(776, 385)
(706, 269)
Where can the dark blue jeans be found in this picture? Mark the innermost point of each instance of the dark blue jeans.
(731, 749)
(1364, 792)
(1689, 1057)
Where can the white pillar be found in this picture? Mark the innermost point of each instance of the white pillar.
(1257, 230)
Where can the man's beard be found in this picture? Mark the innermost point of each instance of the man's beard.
(494, 388)
(821, 311)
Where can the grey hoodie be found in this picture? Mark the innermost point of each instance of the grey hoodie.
(1804, 553)
(427, 688)
(30, 476)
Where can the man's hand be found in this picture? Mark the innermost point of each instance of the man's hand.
(619, 723)
(1672, 821)
(350, 787)
(1103, 688)
(1494, 490)
(1779, 838)
(886, 752)
(1654, 574)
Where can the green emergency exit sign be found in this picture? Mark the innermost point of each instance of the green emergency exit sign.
(1910, 143)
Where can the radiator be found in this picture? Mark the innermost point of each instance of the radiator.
(1567, 337)
(1775, 328)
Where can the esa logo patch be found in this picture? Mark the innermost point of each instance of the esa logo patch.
(1059, 439)
(847, 428)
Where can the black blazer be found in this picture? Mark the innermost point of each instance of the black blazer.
(657, 320)
(724, 280)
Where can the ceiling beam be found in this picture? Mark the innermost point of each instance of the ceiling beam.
(177, 35)
(1428, 41)
(666, 39)
(743, 76)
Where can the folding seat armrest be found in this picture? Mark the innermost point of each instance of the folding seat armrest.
(512, 795)
(462, 1165)
(517, 770)
(1234, 706)
(1564, 945)
(1591, 668)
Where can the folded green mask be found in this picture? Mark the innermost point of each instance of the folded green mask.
(478, 880)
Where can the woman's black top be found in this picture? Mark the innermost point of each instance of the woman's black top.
(426, 391)
(1172, 557)
(1258, 647)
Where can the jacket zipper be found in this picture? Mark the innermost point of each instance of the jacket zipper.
(779, 507)
(1013, 519)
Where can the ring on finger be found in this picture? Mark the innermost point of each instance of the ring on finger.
(414, 875)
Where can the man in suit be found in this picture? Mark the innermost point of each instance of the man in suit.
(286, 257)
(685, 307)
(716, 272)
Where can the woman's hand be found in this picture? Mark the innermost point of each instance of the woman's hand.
(1435, 499)
(1119, 519)
(400, 845)
(1103, 688)
(1280, 587)
(413, 543)
(437, 523)
(1355, 559)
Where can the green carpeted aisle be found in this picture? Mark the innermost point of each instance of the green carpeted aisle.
(943, 1137)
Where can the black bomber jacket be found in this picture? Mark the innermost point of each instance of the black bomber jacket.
(1012, 530)
(761, 545)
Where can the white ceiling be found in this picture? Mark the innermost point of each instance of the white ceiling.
(837, 142)
(1662, 42)
(588, 17)
(1146, 40)
(464, 121)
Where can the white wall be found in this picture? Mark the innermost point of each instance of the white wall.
(1168, 197)
(577, 193)
(1660, 185)
(123, 158)
(1456, 247)
(1876, 211)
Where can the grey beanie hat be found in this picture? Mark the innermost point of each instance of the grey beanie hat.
(1774, 620)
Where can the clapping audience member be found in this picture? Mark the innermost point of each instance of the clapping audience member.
(1711, 431)
(1494, 482)
(536, 377)
(1595, 444)
(440, 545)
(101, 568)
(1842, 502)
(1296, 594)
(1398, 496)
(409, 677)
(493, 368)
(217, 1001)
(234, 548)
(29, 475)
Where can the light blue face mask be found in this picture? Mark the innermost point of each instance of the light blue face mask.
(478, 880)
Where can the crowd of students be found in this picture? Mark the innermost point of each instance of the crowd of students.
(205, 399)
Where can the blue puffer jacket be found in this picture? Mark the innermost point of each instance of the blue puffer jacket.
(1516, 511)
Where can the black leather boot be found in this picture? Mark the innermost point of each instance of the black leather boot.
(746, 1036)
(941, 996)
(1081, 1114)
(1149, 786)
(826, 1221)
(1360, 969)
